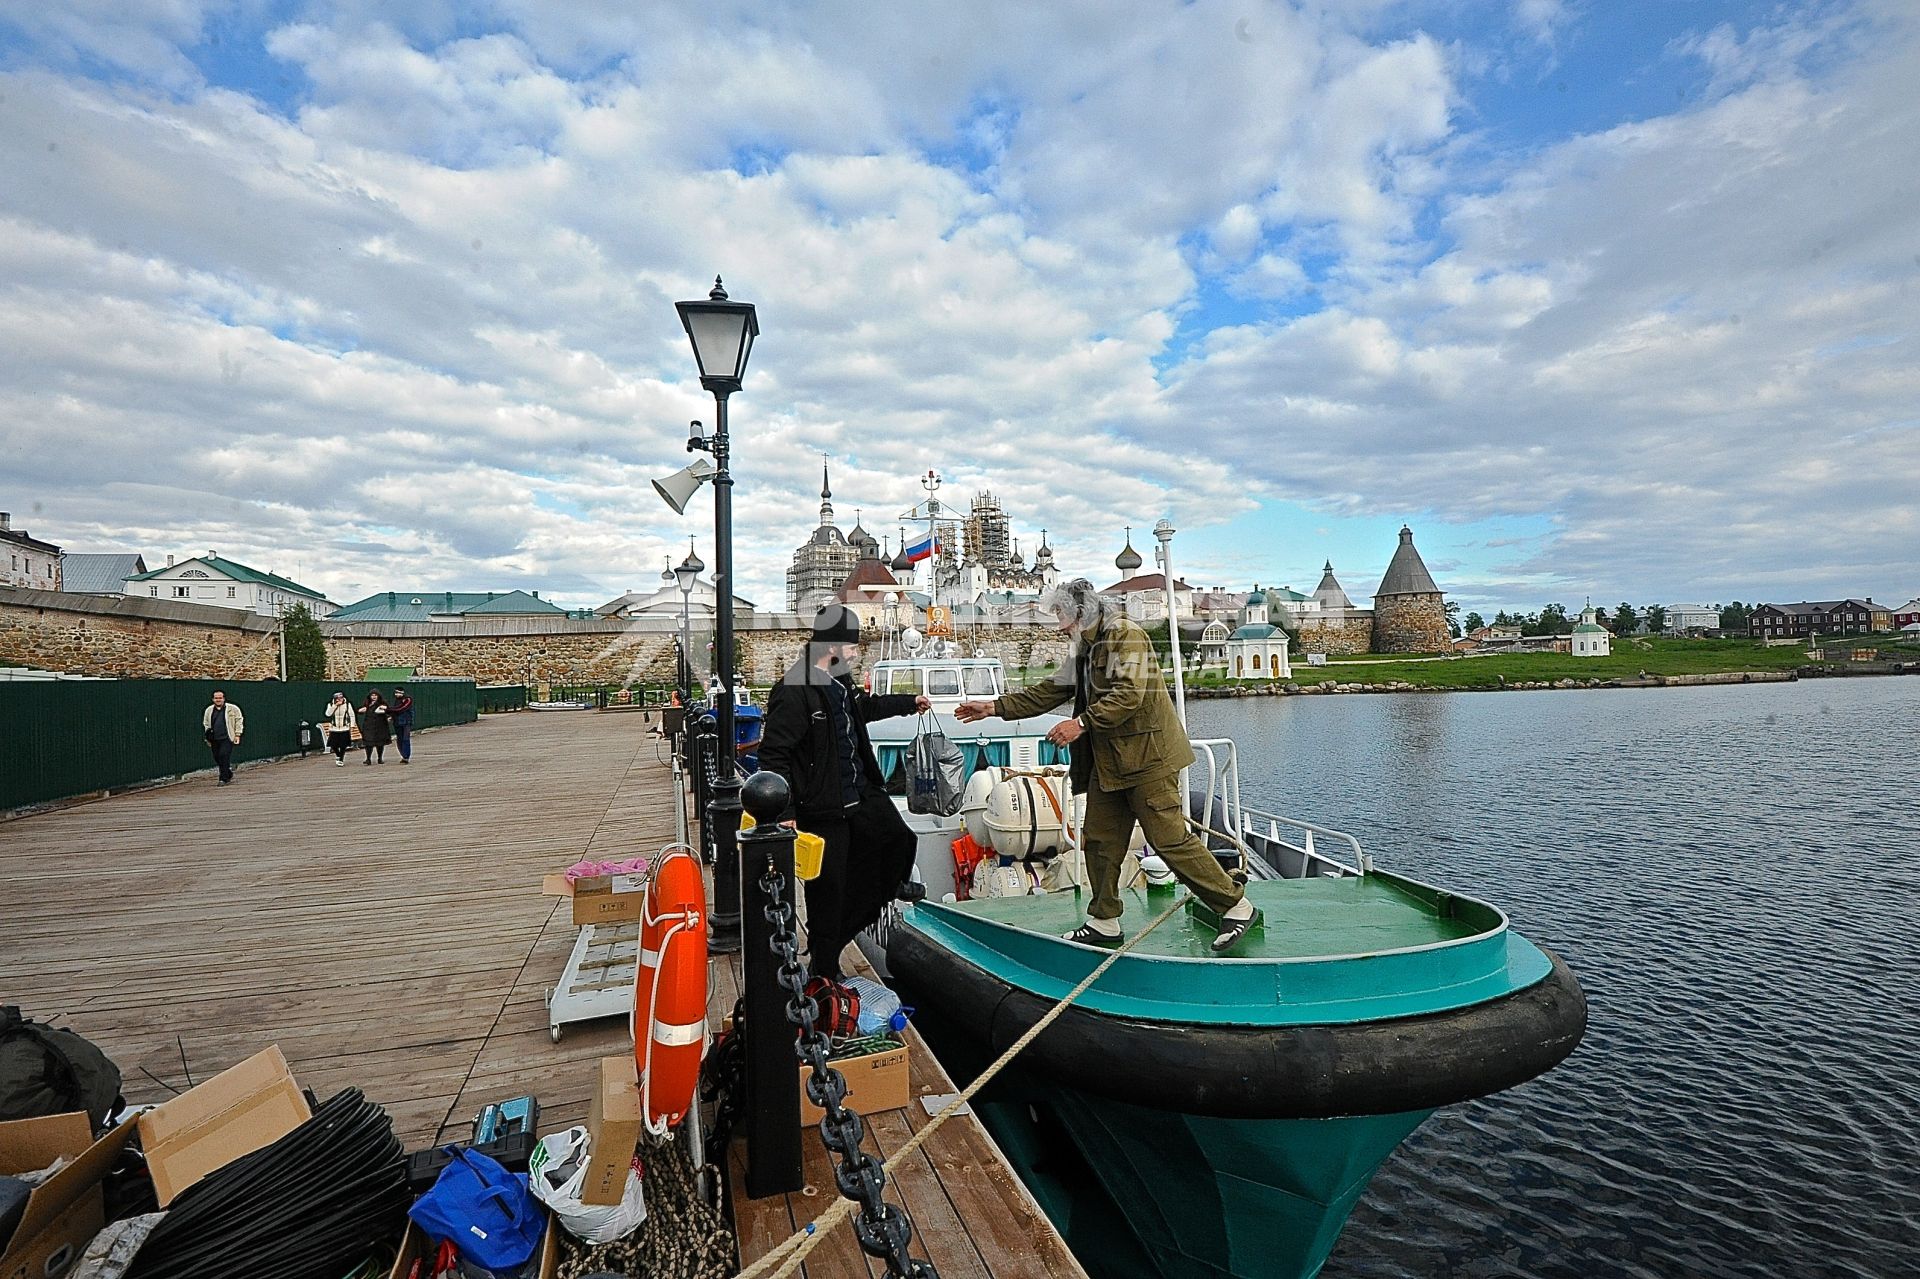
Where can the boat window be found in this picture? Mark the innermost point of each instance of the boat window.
(943, 683)
(904, 679)
(980, 681)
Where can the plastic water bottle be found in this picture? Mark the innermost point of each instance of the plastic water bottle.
(880, 1010)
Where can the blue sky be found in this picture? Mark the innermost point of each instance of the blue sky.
(1603, 299)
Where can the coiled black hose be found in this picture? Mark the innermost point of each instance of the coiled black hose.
(310, 1206)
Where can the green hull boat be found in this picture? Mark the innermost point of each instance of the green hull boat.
(1193, 1117)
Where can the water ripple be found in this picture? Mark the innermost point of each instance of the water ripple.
(1732, 873)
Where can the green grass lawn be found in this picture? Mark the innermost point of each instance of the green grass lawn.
(1654, 656)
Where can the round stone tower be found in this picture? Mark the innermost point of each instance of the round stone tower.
(1409, 611)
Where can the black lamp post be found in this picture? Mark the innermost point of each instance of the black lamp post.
(686, 574)
(722, 333)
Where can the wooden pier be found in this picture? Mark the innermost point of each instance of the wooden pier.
(384, 925)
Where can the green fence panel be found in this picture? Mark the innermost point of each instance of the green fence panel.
(494, 699)
(75, 737)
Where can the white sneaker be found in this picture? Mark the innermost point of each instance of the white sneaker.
(340, 762)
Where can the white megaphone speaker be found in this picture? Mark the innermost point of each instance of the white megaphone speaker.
(678, 489)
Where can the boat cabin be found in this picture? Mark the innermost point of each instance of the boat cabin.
(943, 679)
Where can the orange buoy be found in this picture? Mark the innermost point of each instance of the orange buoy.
(670, 990)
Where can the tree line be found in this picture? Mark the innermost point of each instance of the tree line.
(1624, 620)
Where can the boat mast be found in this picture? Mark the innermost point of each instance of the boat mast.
(931, 483)
(1163, 533)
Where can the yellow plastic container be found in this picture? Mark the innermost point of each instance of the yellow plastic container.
(808, 850)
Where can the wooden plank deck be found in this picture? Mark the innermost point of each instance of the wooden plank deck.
(384, 926)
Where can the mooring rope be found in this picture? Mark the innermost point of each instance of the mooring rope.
(789, 1254)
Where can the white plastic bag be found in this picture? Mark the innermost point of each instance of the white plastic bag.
(555, 1173)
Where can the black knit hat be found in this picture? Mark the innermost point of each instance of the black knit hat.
(836, 624)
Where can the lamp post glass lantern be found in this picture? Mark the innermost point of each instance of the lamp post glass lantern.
(722, 333)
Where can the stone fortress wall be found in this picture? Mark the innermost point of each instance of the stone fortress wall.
(129, 638)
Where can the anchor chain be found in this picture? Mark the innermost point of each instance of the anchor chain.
(884, 1230)
(723, 1082)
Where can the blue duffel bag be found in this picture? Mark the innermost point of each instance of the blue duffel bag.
(488, 1213)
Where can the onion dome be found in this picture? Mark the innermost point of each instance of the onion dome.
(1128, 559)
(863, 541)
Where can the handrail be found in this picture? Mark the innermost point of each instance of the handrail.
(1222, 759)
(1362, 862)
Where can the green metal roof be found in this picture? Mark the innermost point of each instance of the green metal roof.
(237, 571)
(1253, 631)
(1588, 628)
(420, 606)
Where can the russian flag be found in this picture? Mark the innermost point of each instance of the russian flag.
(922, 549)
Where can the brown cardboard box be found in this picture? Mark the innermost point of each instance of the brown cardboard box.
(608, 899)
(64, 1212)
(210, 1125)
(614, 1122)
(875, 1082)
(415, 1246)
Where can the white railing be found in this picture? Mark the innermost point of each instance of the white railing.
(1219, 765)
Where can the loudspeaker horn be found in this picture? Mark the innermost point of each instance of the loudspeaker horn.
(678, 489)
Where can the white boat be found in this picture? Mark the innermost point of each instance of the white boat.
(949, 679)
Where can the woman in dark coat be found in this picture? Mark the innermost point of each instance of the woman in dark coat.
(376, 726)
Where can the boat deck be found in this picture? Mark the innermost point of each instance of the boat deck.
(1306, 918)
(385, 927)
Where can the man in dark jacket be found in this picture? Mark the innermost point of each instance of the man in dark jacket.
(816, 738)
(403, 723)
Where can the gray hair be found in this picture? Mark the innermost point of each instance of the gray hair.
(1077, 600)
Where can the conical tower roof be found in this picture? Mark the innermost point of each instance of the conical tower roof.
(1407, 573)
(1330, 594)
(1128, 559)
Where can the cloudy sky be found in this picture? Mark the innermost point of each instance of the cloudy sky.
(1604, 298)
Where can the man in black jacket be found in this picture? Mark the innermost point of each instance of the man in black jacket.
(816, 738)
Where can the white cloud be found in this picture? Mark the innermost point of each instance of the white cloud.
(416, 328)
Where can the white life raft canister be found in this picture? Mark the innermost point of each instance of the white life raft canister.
(1023, 813)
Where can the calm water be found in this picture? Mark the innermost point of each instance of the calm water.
(1734, 875)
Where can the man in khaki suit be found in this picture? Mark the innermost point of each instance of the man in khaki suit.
(1127, 749)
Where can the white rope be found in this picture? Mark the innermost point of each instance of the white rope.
(791, 1252)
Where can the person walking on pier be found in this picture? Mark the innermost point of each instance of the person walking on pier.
(403, 724)
(223, 723)
(1127, 747)
(816, 737)
(339, 721)
(376, 725)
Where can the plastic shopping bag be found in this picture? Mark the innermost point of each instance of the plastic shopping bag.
(557, 1170)
(484, 1210)
(936, 773)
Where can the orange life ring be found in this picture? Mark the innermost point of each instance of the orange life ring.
(670, 990)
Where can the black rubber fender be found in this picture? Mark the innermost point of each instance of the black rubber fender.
(1259, 1072)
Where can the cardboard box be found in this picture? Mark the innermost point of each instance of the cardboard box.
(415, 1246)
(64, 1212)
(210, 1125)
(614, 1122)
(875, 1082)
(609, 899)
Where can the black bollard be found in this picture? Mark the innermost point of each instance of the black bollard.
(772, 1112)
